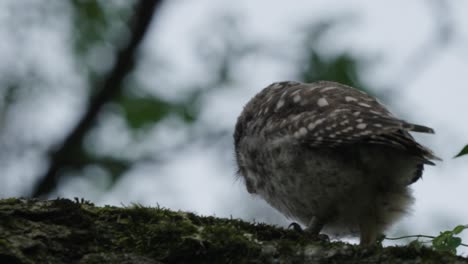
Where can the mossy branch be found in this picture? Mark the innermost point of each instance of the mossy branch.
(65, 231)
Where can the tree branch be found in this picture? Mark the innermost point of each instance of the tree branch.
(64, 231)
(109, 88)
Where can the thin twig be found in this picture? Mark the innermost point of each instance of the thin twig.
(412, 236)
(417, 237)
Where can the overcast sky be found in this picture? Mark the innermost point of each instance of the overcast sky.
(201, 179)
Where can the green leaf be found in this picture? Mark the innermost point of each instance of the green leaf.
(142, 111)
(447, 242)
(464, 151)
(90, 24)
(458, 229)
(453, 243)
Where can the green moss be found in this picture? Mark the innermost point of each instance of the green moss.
(64, 231)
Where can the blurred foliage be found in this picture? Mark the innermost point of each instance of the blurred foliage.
(99, 29)
(220, 53)
(342, 68)
(143, 111)
(90, 24)
(94, 22)
(140, 111)
(224, 47)
(316, 65)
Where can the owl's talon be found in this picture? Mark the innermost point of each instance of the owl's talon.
(313, 236)
(322, 237)
(296, 227)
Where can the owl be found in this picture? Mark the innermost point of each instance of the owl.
(330, 157)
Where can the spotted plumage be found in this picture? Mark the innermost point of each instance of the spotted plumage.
(329, 155)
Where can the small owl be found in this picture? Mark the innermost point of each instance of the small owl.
(330, 157)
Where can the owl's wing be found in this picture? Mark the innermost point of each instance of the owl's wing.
(328, 114)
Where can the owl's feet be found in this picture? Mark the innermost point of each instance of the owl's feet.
(296, 227)
(308, 232)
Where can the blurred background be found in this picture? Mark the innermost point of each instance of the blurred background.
(165, 136)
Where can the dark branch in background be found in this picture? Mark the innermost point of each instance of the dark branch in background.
(111, 86)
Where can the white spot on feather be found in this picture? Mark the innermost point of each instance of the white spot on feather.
(328, 88)
(361, 126)
(297, 134)
(311, 126)
(295, 117)
(295, 92)
(350, 99)
(322, 102)
(276, 86)
(364, 104)
(302, 131)
(279, 104)
(319, 121)
(297, 98)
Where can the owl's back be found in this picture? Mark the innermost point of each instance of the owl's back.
(325, 150)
